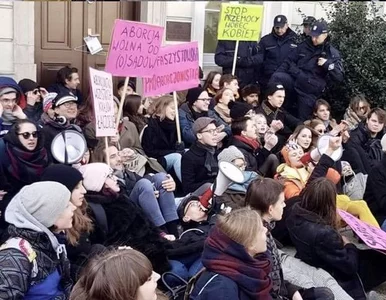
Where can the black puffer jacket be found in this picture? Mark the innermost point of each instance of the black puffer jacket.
(126, 225)
(15, 268)
(320, 245)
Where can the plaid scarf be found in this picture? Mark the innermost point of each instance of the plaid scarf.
(228, 258)
(26, 166)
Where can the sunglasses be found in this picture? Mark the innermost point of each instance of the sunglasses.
(35, 92)
(27, 135)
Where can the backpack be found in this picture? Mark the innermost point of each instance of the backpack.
(24, 247)
(183, 291)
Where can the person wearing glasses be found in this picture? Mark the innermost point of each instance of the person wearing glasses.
(65, 107)
(199, 164)
(34, 94)
(23, 158)
(196, 106)
(10, 104)
(357, 111)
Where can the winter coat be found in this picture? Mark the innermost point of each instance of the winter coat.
(289, 121)
(159, 139)
(273, 50)
(234, 196)
(320, 245)
(295, 180)
(245, 66)
(61, 89)
(375, 194)
(193, 172)
(128, 138)
(192, 240)
(302, 65)
(52, 280)
(253, 158)
(361, 140)
(119, 221)
(34, 112)
(186, 123)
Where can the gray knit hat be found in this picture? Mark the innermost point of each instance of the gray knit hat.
(230, 154)
(37, 207)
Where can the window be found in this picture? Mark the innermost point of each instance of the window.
(212, 14)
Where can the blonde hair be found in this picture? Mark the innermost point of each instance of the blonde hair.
(158, 107)
(241, 225)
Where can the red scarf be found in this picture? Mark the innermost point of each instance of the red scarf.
(251, 142)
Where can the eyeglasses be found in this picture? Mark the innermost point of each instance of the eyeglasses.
(241, 166)
(362, 107)
(69, 104)
(36, 91)
(205, 99)
(27, 135)
(321, 131)
(211, 131)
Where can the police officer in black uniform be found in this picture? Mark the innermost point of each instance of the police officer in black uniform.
(275, 47)
(307, 22)
(308, 70)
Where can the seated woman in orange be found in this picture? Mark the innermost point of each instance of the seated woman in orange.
(296, 174)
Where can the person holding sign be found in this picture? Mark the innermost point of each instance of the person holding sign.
(313, 227)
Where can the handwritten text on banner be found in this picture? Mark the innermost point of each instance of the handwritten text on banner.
(133, 49)
(240, 22)
(102, 92)
(176, 69)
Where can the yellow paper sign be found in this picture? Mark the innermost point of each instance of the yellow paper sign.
(240, 22)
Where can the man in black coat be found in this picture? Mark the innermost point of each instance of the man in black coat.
(199, 165)
(246, 64)
(307, 70)
(307, 22)
(275, 47)
(366, 140)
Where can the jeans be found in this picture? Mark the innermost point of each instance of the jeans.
(161, 210)
(185, 267)
(173, 161)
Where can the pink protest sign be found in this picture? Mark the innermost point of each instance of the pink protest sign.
(372, 236)
(176, 69)
(133, 49)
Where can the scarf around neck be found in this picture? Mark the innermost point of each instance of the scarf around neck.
(8, 118)
(211, 163)
(250, 142)
(228, 258)
(24, 165)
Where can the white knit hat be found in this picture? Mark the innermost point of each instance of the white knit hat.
(230, 154)
(94, 176)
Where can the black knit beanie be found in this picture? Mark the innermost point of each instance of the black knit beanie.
(193, 95)
(63, 174)
(238, 109)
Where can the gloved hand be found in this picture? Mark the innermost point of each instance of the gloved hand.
(180, 147)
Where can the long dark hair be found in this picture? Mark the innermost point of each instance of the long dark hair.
(209, 80)
(319, 197)
(130, 110)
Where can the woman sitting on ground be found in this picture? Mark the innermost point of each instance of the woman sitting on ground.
(313, 226)
(33, 262)
(235, 258)
(267, 197)
(159, 138)
(222, 99)
(357, 111)
(117, 275)
(322, 111)
(212, 83)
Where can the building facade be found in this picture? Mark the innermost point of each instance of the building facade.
(38, 38)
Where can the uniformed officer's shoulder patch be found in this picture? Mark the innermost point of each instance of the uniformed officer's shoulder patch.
(22, 245)
(331, 67)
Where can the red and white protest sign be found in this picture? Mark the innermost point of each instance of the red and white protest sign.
(133, 49)
(102, 93)
(372, 236)
(176, 69)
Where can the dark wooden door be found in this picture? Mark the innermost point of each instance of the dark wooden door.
(60, 27)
